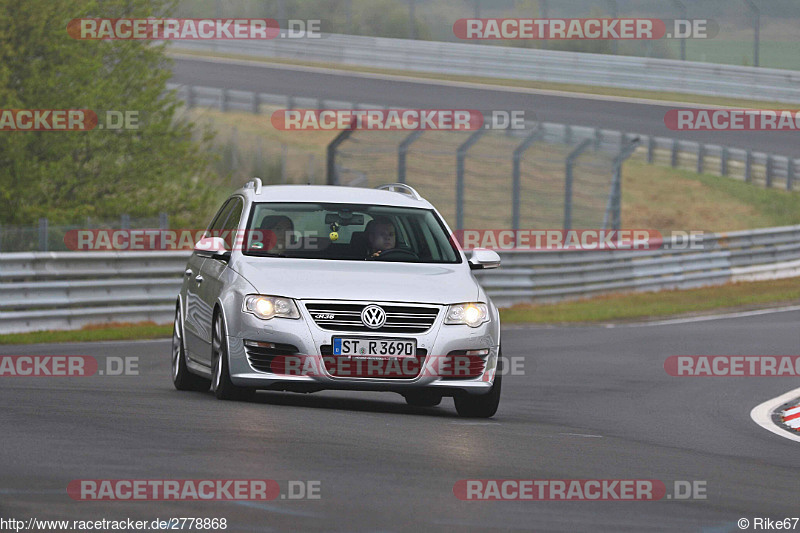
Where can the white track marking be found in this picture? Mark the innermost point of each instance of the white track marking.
(716, 317)
(762, 414)
(668, 322)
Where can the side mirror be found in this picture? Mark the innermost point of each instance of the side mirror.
(483, 259)
(213, 247)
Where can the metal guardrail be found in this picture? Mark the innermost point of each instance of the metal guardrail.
(726, 257)
(522, 64)
(760, 168)
(67, 290)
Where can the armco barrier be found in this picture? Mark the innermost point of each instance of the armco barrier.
(505, 62)
(67, 290)
(735, 256)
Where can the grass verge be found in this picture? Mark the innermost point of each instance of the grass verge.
(637, 306)
(109, 332)
(665, 198)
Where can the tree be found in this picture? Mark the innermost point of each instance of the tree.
(100, 173)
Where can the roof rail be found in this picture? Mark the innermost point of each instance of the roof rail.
(254, 184)
(401, 188)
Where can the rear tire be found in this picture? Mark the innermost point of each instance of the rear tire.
(423, 398)
(483, 406)
(182, 378)
(221, 383)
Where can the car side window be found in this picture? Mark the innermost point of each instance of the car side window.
(231, 224)
(220, 218)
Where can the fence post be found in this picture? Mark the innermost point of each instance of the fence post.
(163, 221)
(684, 16)
(125, 221)
(573, 155)
(756, 27)
(701, 148)
(543, 14)
(614, 206)
(614, 14)
(284, 158)
(460, 157)
(769, 170)
(517, 179)
(723, 161)
(43, 234)
(190, 96)
(333, 177)
(567, 134)
(674, 158)
(789, 173)
(598, 138)
(310, 170)
(402, 151)
(651, 149)
(223, 100)
(748, 161)
(256, 103)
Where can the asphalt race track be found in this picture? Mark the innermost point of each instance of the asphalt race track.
(593, 403)
(625, 116)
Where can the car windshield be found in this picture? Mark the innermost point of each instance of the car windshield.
(349, 232)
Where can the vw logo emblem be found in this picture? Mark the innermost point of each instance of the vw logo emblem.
(373, 316)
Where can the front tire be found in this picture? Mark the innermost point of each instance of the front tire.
(182, 378)
(221, 383)
(483, 406)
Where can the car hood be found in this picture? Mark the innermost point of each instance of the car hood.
(308, 279)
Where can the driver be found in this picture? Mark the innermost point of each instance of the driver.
(380, 236)
(281, 227)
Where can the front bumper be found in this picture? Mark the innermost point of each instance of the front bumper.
(312, 342)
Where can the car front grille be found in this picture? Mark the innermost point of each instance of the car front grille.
(347, 317)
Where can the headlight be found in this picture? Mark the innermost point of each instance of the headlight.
(266, 307)
(471, 314)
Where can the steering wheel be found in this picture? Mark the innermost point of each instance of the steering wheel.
(395, 254)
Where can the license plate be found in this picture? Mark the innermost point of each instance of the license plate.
(366, 347)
